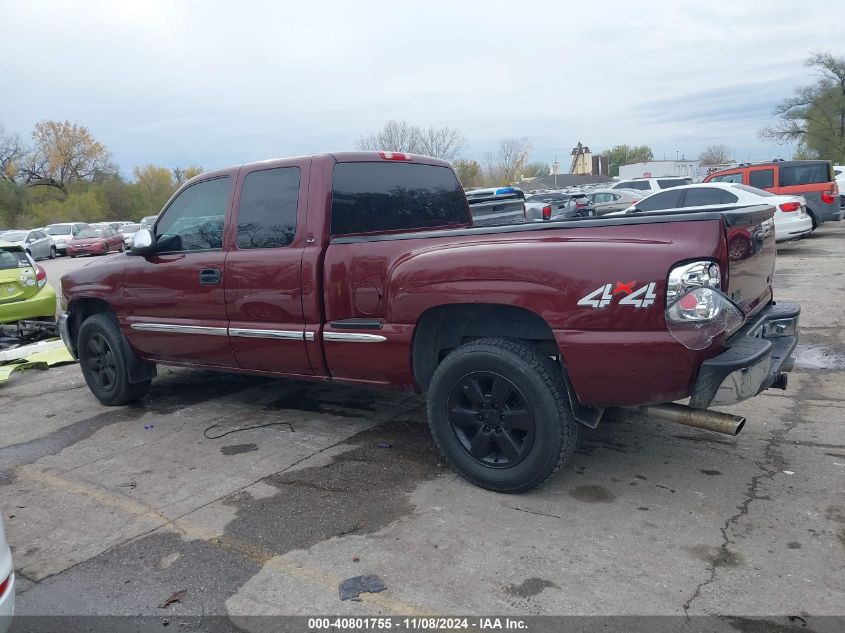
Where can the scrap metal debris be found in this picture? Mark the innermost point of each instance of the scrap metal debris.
(41, 355)
(351, 588)
(176, 596)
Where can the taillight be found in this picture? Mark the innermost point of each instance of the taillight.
(40, 276)
(580, 203)
(395, 156)
(786, 207)
(685, 277)
(547, 212)
(4, 585)
(828, 197)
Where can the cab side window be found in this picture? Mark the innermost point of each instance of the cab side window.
(267, 211)
(194, 220)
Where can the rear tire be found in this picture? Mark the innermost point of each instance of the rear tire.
(52, 252)
(104, 366)
(498, 411)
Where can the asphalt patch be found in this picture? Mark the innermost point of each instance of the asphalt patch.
(362, 490)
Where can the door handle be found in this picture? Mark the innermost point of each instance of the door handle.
(210, 276)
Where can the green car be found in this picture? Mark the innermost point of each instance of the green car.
(24, 291)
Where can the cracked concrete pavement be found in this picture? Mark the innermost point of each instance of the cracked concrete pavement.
(106, 516)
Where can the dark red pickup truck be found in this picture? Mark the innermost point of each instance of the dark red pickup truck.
(364, 268)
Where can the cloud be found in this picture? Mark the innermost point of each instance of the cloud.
(216, 83)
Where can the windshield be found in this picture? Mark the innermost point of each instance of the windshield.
(14, 236)
(58, 229)
(90, 233)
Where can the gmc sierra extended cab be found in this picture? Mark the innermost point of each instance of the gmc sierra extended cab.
(364, 268)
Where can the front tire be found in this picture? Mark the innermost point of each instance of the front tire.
(104, 366)
(498, 411)
(52, 252)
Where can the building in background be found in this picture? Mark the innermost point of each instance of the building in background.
(657, 168)
(582, 160)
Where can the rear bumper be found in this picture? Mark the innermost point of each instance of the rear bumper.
(759, 356)
(41, 304)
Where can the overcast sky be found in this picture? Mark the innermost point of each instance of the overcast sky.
(216, 83)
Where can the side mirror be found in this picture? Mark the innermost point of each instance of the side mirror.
(143, 242)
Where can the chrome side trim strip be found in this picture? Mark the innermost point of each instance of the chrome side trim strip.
(353, 337)
(309, 336)
(179, 329)
(288, 335)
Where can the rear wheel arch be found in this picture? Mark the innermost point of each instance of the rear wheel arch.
(441, 329)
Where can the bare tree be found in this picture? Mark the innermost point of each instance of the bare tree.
(395, 136)
(504, 166)
(718, 154)
(12, 151)
(443, 142)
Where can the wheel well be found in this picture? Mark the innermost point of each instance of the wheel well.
(443, 328)
(80, 310)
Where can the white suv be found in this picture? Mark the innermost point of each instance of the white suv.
(652, 184)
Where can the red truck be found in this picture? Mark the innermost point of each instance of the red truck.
(364, 268)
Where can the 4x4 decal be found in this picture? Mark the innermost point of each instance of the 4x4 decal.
(602, 296)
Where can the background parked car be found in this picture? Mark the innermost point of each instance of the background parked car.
(127, 231)
(7, 582)
(36, 242)
(25, 295)
(148, 221)
(550, 206)
(791, 219)
(93, 241)
(604, 201)
(63, 232)
(496, 206)
(813, 179)
(652, 184)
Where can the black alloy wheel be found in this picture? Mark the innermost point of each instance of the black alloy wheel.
(491, 419)
(101, 362)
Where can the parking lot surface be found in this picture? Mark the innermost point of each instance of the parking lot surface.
(113, 510)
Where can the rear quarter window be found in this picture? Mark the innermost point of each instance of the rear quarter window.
(804, 174)
(641, 185)
(391, 196)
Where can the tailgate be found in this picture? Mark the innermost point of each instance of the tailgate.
(750, 236)
(17, 276)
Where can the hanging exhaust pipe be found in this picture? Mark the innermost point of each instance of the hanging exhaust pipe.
(699, 418)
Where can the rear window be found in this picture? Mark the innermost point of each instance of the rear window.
(804, 174)
(90, 233)
(755, 191)
(666, 183)
(14, 236)
(703, 196)
(641, 185)
(391, 196)
(59, 229)
(13, 259)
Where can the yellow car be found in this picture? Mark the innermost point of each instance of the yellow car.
(24, 291)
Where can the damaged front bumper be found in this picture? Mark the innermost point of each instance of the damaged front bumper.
(758, 357)
(64, 333)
